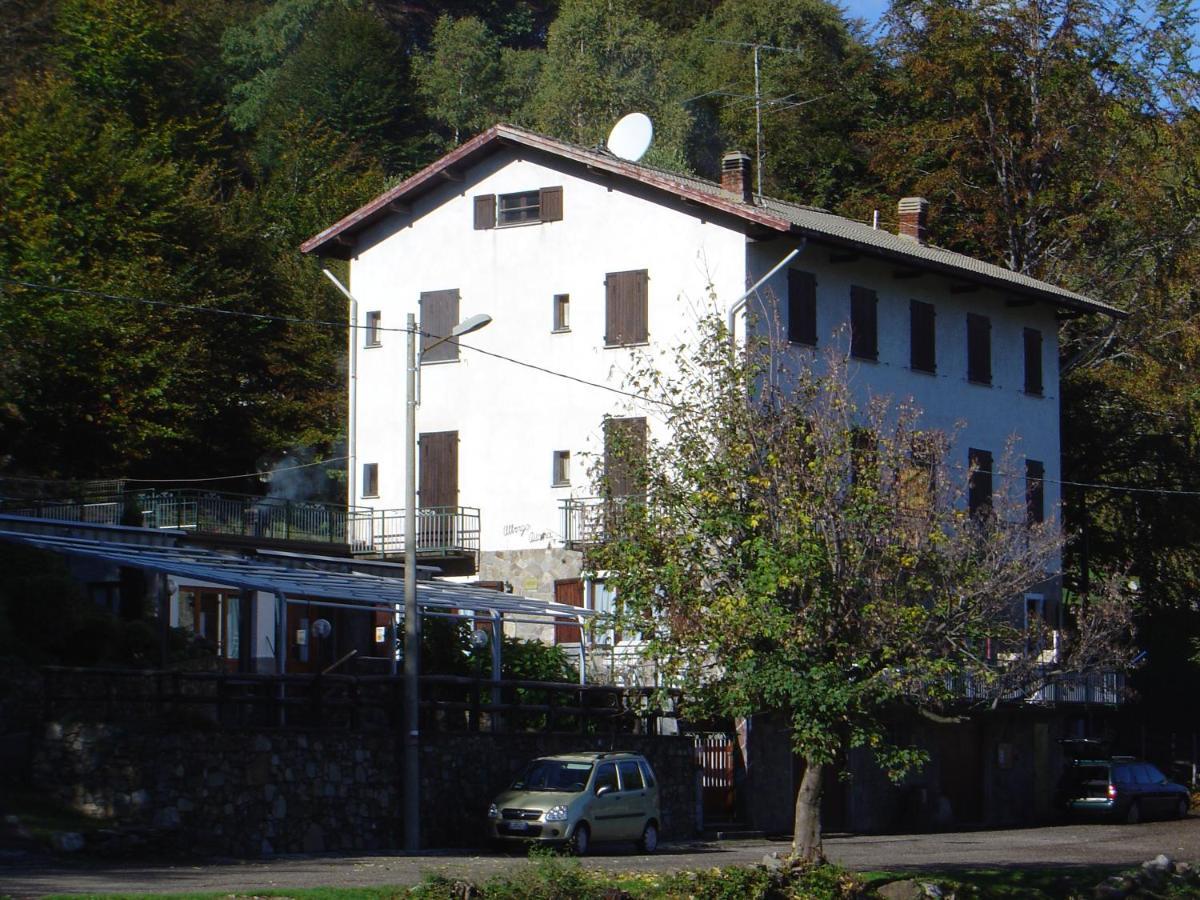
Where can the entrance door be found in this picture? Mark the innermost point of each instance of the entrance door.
(569, 592)
(438, 487)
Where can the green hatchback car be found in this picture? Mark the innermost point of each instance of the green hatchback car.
(578, 798)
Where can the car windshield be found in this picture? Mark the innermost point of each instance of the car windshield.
(554, 775)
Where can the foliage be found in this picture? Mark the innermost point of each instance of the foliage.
(460, 76)
(805, 550)
(817, 84)
(603, 61)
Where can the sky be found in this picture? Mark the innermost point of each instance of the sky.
(868, 10)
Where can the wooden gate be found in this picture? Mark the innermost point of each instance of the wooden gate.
(714, 756)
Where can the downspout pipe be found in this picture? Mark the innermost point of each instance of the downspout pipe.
(740, 303)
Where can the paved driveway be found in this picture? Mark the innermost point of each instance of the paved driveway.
(1073, 845)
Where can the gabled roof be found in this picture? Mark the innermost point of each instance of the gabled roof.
(766, 213)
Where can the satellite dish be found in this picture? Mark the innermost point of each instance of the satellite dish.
(630, 138)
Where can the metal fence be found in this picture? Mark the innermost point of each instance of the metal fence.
(449, 703)
(441, 531)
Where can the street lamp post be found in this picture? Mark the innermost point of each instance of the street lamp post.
(412, 623)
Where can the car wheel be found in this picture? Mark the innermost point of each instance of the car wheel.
(649, 841)
(1133, 815)
(581, 840)
(1181, 811)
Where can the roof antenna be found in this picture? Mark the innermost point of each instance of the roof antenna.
(630, 137)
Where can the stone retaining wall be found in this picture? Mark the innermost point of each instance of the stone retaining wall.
(257, 794)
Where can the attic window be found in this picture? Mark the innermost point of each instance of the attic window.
(521, 208)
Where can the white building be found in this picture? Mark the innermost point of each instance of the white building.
(582, 258)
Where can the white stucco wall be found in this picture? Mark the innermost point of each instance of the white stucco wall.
(510, 418)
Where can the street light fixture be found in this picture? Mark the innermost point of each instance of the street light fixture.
(412, 636)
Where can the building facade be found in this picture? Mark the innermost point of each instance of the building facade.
(584, 261)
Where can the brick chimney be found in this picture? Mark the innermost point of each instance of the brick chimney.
(914, 215)
(735, 175)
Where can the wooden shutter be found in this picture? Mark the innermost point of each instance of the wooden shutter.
(439, 315)
(1033, 361)
(979, 349)
(802, 307)
(438, 482)
(569, 592)
(626, 308)
(1035, 491)
(485, 211)
(923, 349)
(979, 488)
(550, 204)
(624, 454)
(864, 328)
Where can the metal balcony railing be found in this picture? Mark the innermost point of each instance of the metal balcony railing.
(202, 512)
(584, 521)
(441, 531)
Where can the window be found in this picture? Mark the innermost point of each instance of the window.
(373, 331)
(979, 349)
(1035, 492)
(1033, 361)
(625, 310)
(802, 308)
(521, 208)
(922, 339)
(370, 480)
(606, 777)
(439, 315)
(624, 456)
(562, 312)
(631, 775)
(864, 327)
(979, 485)
(562, 468)
(604, 627)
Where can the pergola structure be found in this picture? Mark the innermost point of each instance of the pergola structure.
(295, 578)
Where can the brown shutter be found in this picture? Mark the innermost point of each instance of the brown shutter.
(550, 204)
(1033, 361)
(624, 454)
(864, 329)
(1035, 491)
(438, 469)
(979, 349)
(626, 308)
(485, 211)
(439, 315)
(568, 592)
(923, 347)
(979, 487)
(802, 307)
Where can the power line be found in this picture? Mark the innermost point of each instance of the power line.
(509, 359)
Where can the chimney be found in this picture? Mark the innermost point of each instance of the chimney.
(735, 175)
(914, 216)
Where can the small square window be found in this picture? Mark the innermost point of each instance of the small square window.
(517, 209)
(561, 475)
(370, 480)
(374, 330)
(562, 312)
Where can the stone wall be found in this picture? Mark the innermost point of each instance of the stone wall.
(257, 794)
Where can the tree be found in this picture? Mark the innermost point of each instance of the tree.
(602, 62)
(806, 552)
(817, 83)
(459, 78)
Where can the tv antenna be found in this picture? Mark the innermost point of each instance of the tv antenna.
(757, 98)
(630, 137)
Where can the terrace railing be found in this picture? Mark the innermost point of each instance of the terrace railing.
(441, 531)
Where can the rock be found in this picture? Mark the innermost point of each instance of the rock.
(66, 841)
(903, 890)
(314, 839)
(1160, 863)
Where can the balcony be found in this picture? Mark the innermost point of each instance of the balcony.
(444, 533)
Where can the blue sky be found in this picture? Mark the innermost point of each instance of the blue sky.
(869, 10)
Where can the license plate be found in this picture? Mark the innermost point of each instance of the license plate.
(518, 826)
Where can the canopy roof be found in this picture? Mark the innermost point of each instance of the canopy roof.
(295, 580)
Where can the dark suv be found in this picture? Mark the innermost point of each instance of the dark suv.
(1121, 788)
